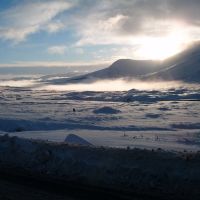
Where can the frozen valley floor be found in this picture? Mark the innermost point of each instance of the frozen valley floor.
(144, 142)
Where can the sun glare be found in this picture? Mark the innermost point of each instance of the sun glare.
(162, 47)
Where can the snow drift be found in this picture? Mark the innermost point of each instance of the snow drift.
(106, 110)
(73, 139)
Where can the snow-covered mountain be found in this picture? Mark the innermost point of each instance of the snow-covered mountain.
(123, 68)
(127, 68)
(184, 66)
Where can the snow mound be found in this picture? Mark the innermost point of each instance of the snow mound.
(76, 140)
(106, 110)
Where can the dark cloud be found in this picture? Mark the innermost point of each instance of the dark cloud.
(185, 10)
(139, 12)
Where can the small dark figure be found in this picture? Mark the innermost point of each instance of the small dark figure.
(125, 134)
(74, 110)
(156, 138)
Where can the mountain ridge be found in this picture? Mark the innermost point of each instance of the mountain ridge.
(184, 66)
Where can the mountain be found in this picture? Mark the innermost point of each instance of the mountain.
(184, 66)
(123, 68)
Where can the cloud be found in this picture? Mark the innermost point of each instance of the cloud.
(54, 27)
(102, 31)
(55, 64)
(17, 35)
(101, 22)
(19, 22)
(119, 22)
(79, 51)
(127, 24)
(60, 50)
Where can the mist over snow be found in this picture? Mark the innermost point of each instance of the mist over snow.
(114, 85)
(104, 85)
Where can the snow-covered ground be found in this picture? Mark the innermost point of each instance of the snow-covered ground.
(153, 174)
(167, 118)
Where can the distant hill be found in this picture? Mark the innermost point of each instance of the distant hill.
(123, 68)
(184, 66)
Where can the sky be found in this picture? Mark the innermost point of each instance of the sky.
(80, 32)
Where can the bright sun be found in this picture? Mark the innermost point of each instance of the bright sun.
(160, 48)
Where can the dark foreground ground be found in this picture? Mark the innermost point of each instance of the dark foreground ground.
(15, 186)
(14, 191)
(31, 169)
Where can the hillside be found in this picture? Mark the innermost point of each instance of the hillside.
(184, 66)
(123, 68)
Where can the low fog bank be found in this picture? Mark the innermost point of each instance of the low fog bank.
(97, 86)
(45, 70)
(115, 85)
(18, 83)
